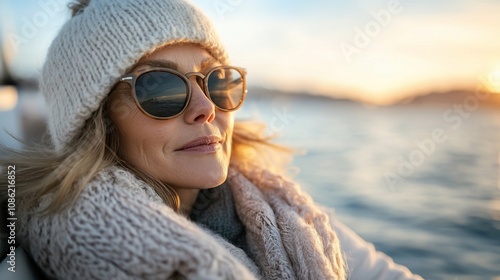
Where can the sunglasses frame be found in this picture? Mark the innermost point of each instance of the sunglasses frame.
(132, 77)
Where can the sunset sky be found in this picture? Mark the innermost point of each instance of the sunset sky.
(371, 50)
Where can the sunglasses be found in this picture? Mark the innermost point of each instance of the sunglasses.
(164, 93)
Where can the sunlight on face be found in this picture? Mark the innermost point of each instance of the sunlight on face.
(190, 151)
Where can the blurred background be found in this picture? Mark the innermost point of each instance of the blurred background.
(395, 103)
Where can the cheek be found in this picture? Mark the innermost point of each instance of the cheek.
(141, 138)
(131, 138)
(226, 124)
(227, 121)
(121, 104)
(147, 134)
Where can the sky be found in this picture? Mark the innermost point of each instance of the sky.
(370, 50)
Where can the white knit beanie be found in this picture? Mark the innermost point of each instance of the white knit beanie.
(96, 46)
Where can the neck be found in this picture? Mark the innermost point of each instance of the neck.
(187, 198)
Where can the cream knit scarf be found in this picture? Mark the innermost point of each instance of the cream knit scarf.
(119, 228)
(289, 236)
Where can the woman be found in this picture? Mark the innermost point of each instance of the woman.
(150, 177)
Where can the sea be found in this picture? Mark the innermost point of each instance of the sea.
(419, 182)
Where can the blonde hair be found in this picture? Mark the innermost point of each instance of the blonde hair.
(41, 170)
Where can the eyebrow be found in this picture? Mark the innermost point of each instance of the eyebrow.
(208, 62)
(162, 63)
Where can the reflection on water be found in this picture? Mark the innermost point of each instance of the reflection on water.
(495, 211)
(442, 219)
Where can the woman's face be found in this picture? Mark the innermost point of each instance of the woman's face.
(162, 147)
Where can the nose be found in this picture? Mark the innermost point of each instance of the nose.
(200, 109)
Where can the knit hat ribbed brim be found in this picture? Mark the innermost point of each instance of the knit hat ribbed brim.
(95, 47)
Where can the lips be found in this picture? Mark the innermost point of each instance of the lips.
(206, 143)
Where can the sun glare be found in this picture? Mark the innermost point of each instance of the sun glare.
(8, 98)
(494, 81)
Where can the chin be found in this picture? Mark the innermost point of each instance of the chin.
(205, 174)
(198, 172)
(212, 182)
(214, 175)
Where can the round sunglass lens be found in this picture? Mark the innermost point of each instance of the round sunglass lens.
(161, 94)
(225, 87)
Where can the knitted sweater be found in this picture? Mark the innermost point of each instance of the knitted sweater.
(119, 228)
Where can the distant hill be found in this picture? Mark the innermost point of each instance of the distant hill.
(445, 98)
(257, 93)
(452, 97)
